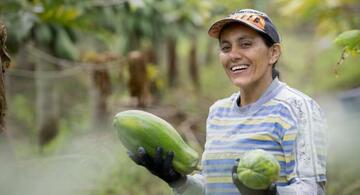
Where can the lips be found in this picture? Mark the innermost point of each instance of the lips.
(239, 68)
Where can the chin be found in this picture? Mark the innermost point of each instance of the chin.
(241, 83)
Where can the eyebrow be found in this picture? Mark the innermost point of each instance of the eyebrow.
(238, 39)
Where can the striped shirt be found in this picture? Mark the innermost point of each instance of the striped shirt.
(283, 121)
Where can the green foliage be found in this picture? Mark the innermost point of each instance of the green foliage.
(59, 14)
(35, 19)
(43, 35)
(306, 64)
(24, 112)
(350, 40)
(64, 47)
(60, 139)
(329, 17)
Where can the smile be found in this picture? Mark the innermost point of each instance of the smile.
(239, 68)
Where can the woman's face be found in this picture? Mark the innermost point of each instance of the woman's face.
(246, 58)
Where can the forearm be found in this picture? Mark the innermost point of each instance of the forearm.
(303, 186)
(194, 185)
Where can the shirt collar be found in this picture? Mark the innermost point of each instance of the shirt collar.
(269, 93)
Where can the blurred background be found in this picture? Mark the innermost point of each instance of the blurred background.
(75, 64)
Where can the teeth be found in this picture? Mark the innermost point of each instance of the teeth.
(239, 67)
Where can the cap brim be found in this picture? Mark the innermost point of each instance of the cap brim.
(215, 29)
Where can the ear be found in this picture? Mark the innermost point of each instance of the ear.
(275, 53)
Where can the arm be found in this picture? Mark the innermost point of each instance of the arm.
(309, 151)
(194, 185)
(303, 186)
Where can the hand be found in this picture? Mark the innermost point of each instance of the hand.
(159, 166)
(246, 190)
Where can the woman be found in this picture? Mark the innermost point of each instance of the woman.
(265, 113)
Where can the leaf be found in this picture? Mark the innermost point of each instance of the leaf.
(349, 39)
(64, 47)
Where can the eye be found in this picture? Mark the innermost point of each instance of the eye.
(225, 48)
(246, 44)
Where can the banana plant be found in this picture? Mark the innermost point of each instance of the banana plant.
(53, 26)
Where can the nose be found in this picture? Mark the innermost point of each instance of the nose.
(235, 55)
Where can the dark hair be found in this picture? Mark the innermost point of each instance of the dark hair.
(269, 42)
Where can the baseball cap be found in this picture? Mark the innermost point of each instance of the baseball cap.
(256, 20)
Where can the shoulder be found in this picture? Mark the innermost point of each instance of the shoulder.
(288, 94)
(297, 103)
(224, 103)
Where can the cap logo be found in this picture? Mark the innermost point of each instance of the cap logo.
(252, 18)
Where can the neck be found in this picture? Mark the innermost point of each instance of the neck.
(251, 94)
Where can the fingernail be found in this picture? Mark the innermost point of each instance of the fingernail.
(234, 175)
(141, 150)
(158, 148)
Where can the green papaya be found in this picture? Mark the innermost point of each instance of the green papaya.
(137, 128)
(258, 169)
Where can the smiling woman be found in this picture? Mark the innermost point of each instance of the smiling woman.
(264, 114)
(247, 60)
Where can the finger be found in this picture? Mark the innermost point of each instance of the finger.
(272, 189)
(145, 158)
(134, 158)
(158, 159)
(172, 174)
(234, 169)
(234, 176)
(235, 179)
(168, 161)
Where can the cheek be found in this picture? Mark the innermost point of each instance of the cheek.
(222, 59)
(262, 57)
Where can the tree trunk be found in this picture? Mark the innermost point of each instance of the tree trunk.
(100, 88)
(172, 63)
(151, 55)
(151, 58)
(47, 99)
(2, 99)
(193, 65)
(102, 85)
(138, 82)
(4, 63)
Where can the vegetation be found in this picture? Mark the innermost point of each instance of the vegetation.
(72, 63)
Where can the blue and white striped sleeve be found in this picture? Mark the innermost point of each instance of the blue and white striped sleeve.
(194, 185)
(302, 187)
(310, 151)
(311, 142)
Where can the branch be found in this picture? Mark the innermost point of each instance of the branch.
(104, 3)
(68, 67)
